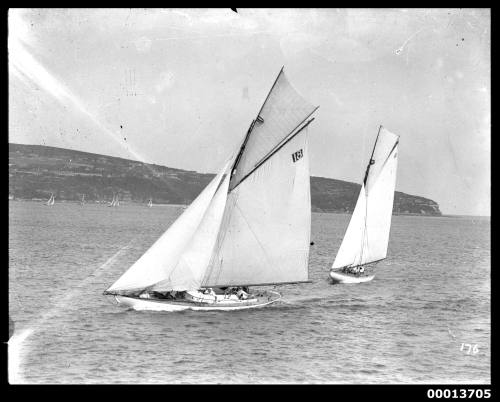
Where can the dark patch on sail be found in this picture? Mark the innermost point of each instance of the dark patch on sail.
(297, 155)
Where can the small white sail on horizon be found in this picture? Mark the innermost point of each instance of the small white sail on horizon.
(51, 200)
(251, 224)
(367, 237)
(114, 202)
(150, 203)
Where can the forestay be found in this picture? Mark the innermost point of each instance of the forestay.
(367, 236)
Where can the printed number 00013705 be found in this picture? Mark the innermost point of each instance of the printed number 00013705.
(458, 393)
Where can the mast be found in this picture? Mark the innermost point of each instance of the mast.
(371, 161)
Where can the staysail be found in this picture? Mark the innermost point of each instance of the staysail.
(251, 224)
(367, 236)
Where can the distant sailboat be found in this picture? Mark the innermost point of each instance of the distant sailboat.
(367, 237)
(114, 202)
(51, 200)
(249, 227)
(150, 203)
(82, 202)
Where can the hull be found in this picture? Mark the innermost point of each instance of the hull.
(172, 306)
(340, 277)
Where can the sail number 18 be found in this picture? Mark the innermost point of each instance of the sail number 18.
(297, 155)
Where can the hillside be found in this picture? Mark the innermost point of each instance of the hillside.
(35, 171)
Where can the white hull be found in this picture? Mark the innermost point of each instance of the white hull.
(340, 277)
(169, 305)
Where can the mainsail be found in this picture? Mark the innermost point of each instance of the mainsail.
(251, 224)
(266, 230)
(367, 236)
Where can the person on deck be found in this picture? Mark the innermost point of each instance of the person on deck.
(242, 295)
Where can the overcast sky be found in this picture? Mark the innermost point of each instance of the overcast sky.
(179, 87)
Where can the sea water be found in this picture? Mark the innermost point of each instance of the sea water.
(425, 318)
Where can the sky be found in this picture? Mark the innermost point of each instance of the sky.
(180, 87)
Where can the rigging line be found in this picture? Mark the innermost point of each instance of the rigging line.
(286, 138)
(221, 236)
(371, 157)
(242, 148)
(365, 230)
(390, 153)
(275, 150)
(388, 156)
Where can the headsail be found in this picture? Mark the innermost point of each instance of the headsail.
(160, 260)
(367, 236)
(190, 269)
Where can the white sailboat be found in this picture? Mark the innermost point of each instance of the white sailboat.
(83, 200)
(367, 236)
(150, 203)
(249, 227)
(114, 202)
(51, 200)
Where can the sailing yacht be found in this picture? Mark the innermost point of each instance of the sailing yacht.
(51, 200)
(249, 227)
(83, 200)
(367, 236)
(150, 203)
(114, 202)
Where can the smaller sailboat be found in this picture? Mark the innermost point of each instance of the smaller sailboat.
(367, 236)
(82, 202)
(114, 202)
(51, 200)
(150, 203)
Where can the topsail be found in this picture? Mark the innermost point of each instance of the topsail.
(367, 236)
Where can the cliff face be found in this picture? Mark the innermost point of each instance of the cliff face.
(36, 171)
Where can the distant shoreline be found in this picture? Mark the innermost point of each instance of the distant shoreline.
(123, 203)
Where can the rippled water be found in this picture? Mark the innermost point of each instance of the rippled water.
(406, 326)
